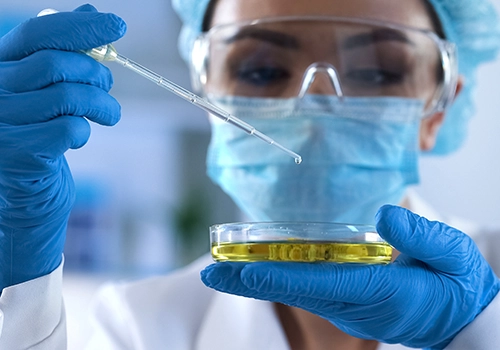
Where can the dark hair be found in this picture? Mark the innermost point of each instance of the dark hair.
(436, 22)
(208, 16)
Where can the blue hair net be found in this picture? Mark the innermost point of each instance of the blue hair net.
(473, 26)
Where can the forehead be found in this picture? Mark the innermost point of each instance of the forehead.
(406, 12)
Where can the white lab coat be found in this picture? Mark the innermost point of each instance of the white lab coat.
(178, 312)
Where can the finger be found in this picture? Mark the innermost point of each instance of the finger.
(38, 150)
(47, 140)
(225, 277)
(333, 282)
(228, 278)
(68, 31)
(442, 247)
(47, 67)
(59, 100)
(70, 132)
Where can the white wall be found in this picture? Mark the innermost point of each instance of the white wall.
(468, 183)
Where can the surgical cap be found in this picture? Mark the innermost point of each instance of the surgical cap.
(473, 26)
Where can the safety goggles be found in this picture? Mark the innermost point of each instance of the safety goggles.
(287, 57)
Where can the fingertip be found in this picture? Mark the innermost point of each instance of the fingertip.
(123, 26)
(71, 132)
(93, 103)
(383, 212)
(223, 276)
(104, 109)
(117, 25)
(391, 219)
(382, 219)
(108, 27)
(118, 115)
(114, 116)
(205, 275)
(111, 120)
(78, 131)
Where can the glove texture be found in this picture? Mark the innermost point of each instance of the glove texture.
(48, 91)
(436, 287)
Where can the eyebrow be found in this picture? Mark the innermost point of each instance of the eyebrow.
(277, 38)
(290, 42)
(384, 34)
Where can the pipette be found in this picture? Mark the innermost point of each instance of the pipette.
(109, 53)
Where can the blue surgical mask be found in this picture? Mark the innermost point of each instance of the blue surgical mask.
(357, 154)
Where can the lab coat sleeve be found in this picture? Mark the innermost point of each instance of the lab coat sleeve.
(110, 320)
(159, 312)
(32, 314)
(483, 333)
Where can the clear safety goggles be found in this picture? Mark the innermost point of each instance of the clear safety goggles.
(286, 57)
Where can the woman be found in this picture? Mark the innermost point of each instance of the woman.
(358, 88)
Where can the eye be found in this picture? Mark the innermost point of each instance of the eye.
(261, 76)
(375, 77)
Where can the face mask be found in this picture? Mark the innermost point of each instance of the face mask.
(357, 155)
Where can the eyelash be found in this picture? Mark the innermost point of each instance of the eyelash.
(262, 76)
(375, 76)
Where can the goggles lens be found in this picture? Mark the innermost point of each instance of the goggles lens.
(279, 58)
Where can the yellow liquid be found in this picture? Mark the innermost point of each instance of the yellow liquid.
(299, 251)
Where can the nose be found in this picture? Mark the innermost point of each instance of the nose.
(321, 78)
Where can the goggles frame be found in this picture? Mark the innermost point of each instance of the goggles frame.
(442, 100)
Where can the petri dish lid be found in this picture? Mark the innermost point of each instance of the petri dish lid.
(241, 232)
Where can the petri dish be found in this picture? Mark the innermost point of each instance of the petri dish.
(298, 242)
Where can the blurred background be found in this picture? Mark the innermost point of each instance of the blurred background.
(144, 203)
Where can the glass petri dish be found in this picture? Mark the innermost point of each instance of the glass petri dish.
(298, 242)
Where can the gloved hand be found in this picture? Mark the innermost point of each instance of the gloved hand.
(437, 286)
(46, 90)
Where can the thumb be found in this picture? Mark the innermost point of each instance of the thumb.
(442, 247)
(69, 31)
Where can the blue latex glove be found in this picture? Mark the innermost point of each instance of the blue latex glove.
(437, 286)
(44, 94)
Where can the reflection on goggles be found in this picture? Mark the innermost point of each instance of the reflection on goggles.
(274, 58)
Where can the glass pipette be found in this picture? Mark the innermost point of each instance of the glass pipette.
(109, 53)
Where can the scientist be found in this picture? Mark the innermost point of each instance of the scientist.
(359, 88)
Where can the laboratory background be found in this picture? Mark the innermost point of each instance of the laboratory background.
(144, 203)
